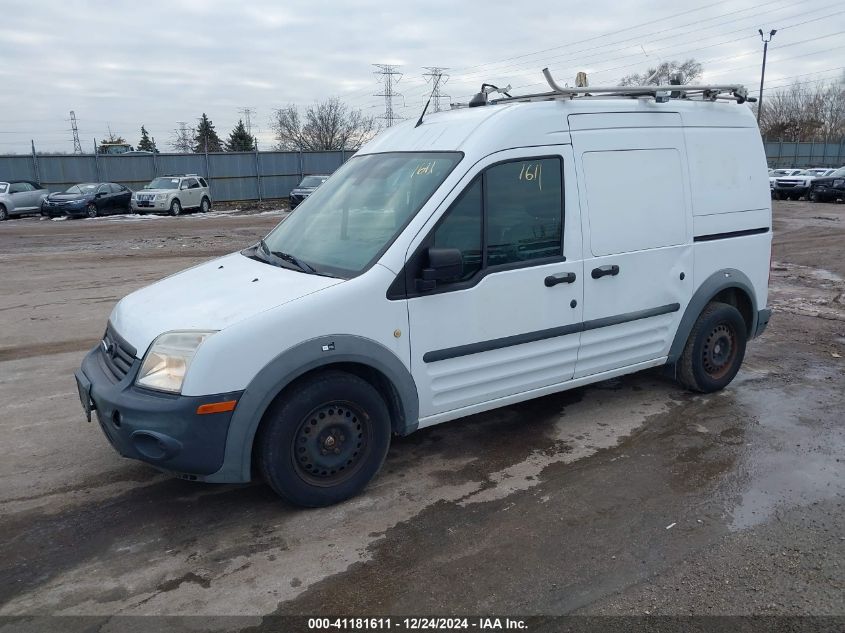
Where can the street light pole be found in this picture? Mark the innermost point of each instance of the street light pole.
(763, 72)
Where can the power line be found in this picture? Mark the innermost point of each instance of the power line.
(387, 73)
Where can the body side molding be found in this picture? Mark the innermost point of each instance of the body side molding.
(541, 335)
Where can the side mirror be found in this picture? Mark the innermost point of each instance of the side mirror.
(99, 194)
(444, 264)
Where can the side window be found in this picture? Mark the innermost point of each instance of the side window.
(103, 189)
(524, 205)
(203, 183)
(461, 229)
(193, 184)
(16, 187)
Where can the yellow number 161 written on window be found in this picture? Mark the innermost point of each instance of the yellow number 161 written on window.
(532, 172)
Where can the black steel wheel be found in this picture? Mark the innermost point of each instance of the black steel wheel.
(332, 443)
(324, 439)
(714, 350)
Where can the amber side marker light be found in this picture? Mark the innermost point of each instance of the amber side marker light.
(217, 407)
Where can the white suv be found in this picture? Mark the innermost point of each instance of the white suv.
(475, 260)
(173, 194)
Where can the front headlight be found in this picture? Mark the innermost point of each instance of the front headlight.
(167, 361)
(161, 196)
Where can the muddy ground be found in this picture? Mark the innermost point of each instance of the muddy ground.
(627, 497)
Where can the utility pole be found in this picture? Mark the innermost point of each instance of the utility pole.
(77, 146)
(390, 76)
(763, 71)
(438, 77)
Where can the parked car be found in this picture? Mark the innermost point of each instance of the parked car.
(304, 189)
(20, 197)
(828, 188)
(471, 261)
(794, 186)
(87, 199)
(173, 194)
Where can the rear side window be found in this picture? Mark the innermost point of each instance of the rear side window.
(20, 187)
(628, 208)
(203, 183)
(3, 187)
(193, 184)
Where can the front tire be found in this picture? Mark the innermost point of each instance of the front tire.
(323, 441)
(4, 215)
(714, 350)
(91, 211)
(175, 208)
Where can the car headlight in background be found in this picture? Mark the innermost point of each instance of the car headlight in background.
(168, 359)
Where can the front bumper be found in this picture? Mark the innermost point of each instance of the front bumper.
(158, 428)
(793, 191)
(155, 206)
(56, 211)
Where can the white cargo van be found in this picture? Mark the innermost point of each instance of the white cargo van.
(485, 256)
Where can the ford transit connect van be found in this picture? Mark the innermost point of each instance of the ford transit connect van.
(485, 256)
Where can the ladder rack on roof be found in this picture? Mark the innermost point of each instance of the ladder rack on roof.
(661, 93)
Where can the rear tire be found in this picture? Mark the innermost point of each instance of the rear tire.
(175, 208)
(323, 441)
(205, 205)
(714, 350)
(4, 215)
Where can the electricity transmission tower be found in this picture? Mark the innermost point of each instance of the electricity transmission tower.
(247, 113)
(182, 140)
(438, 77)
(390, 76)
(77, 146)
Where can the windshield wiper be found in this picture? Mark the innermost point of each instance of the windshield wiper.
(303, 266)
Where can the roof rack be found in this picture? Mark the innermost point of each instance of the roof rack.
(661, 94)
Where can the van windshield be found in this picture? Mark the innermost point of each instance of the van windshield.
(352, 218)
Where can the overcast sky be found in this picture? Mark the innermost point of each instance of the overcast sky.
(123, 63)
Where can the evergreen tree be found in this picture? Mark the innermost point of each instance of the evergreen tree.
(240, 140)
(146, 144)
(113, 139)
(205, 137)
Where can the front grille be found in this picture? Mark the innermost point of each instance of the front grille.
(118, 355)
(146, 196)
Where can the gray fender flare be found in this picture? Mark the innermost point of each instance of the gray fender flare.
(290, 365)
(713, 285)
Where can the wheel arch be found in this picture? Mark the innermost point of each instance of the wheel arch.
(729, 286)
(360, 356)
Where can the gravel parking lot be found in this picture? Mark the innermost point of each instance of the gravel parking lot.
(625, 497)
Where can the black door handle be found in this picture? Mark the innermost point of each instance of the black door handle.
(554, 280)
(602, 271)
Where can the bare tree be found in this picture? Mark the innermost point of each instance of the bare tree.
(805, 112)
(687, 71)
(326, 125)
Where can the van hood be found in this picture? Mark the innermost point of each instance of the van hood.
(211, 296)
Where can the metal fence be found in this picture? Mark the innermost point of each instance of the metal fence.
(812, 154)
(261, 175)
(231, 175)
